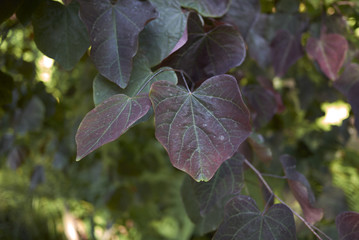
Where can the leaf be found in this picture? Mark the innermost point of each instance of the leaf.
(286, 50)
(207, 54)
(200, 129)
(243, 14)
(59, 33)
(31, 117)
(141, 72)
(329, 51)
(243, 220)
(207, 8)
(114, 30)
(66, 2)
(161, 35)
(204, 200)
(348, 84)
(108, 121)
(301, 190)
(348, 225)
(260, 150)
(261, 103)
(7, 8)
(6, 87)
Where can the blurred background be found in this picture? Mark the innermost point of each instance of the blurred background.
(128, 189)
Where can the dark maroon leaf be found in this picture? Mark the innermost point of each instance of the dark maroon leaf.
(200, 129)
(114, 30)
(243, 220)
(205, 201)
(286, 50)
(208, 8)
(108, 121)
(59, 33)
(16, 157)
(348, 84)
(348, 225)
(31, 117)
(243, 14)
(207, 54)
(329, 51)
(353, 99)
(66, 2)
(260, 150)
(301, 190)
(261, 103)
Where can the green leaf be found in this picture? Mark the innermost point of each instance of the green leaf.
(200, 129)
(161, 35)
(243, 220)
(108, 121)
(141, 73)
(208, 8)
(208, 53)
(59, 33)
(205, 201)
(114, 27)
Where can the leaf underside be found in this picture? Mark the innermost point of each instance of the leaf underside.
(200, 129)
(348, 225)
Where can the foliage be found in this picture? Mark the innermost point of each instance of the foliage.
(237, 90)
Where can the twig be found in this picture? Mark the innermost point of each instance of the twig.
(273, 176)
(271, 191)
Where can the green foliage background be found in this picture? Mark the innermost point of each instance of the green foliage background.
(128, 188)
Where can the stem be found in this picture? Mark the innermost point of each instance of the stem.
(152, 77)
(280, 200)
(185, 82)
(273, 176)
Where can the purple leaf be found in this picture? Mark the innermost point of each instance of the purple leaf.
(37, 176)
(200, 129)
(108, 121)
(348, 225)
(208, 8)
(66, 2)
(243, 220)
(286, 50)
(261, 103)
(301, 190)
(348, 84)
(210, 53)
(114, 30)
(329, 51)
(205, 201)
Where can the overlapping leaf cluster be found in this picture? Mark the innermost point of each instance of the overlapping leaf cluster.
(181, 61)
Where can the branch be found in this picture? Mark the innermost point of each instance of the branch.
(311, 228)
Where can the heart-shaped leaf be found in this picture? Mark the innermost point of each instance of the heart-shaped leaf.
(208, 8)
(204, 200)
(243, 220)
(161, 35)
(114, 27)
(108, 121)
(286, 50)
(301, 190)
(59, 33)
(200, 129)
(329, 51)
(348, 225)
(207, 54)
